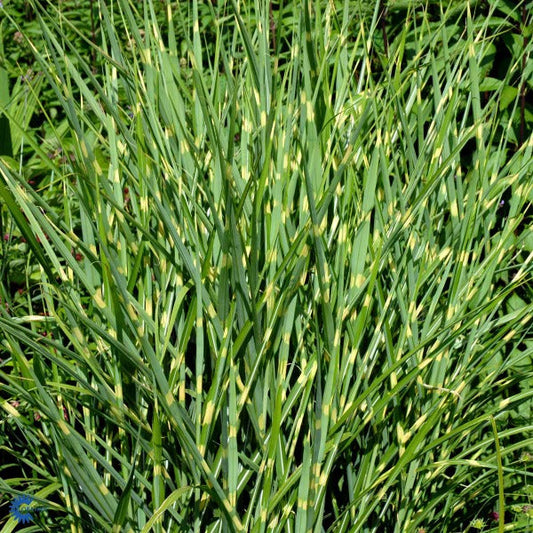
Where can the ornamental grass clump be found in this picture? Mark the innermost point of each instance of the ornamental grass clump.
(270, 285)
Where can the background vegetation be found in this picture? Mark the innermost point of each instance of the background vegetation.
(266, 266)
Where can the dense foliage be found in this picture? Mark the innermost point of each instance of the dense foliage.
(266, 266)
